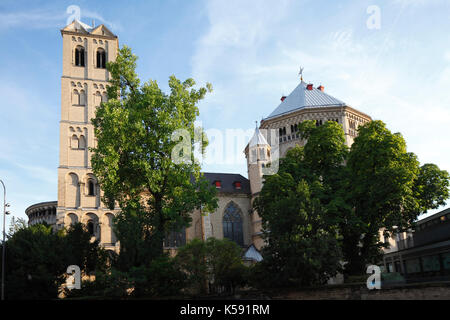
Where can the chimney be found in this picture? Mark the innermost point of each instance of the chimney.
(321, 88)
(309, 86)
(283, 97)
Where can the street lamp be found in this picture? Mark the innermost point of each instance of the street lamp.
(5, 205)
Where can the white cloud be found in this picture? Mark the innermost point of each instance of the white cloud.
(252, 58)
(49, 18)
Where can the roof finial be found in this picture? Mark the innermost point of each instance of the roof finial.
(300, 73)
(256, 124)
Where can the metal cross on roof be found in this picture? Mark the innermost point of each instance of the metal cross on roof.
(300, 73)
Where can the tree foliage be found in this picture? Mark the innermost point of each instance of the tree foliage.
(298, 206)
(386, 188)
(137, 132)
(37, 259)
(216, 263)
(325, 195)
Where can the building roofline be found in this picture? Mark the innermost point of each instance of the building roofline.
(41, 204)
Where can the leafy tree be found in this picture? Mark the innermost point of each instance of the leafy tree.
(34, 264)
(37, 259)
(16, 225)
(191, 258)
(161, 279)
(137, 134)
(224, 263)
(298, 207)
(386, 188)
(81, 251)
(214, 262)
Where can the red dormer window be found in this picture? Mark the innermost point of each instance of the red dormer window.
(237, 185)
(218, 184)
(309, 86)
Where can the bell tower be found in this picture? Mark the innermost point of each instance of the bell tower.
(86, 50)
(258, 154)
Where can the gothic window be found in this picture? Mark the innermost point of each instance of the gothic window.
(101, 58)
(79, 56)
(232, 224)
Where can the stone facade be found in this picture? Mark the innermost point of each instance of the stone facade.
(83, 87)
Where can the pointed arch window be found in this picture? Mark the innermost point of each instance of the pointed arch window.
(79, 56)
(101, 58)
(232, 224)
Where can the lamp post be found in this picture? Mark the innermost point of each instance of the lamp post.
(5, 205)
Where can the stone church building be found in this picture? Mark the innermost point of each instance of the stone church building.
(86, 50)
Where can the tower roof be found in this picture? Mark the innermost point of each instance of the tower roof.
(257, 139)
(305, 96)
(83, 28)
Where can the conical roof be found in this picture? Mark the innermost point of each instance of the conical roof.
(257, 139)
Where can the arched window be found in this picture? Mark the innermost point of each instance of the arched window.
(74, 144)
(82, 142)
(91, 188)
(82, 99)
(75, 97)
(232, 224)
(79, 56)
(90, 227)
(101, 58)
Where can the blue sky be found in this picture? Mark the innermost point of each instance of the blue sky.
(249, 50)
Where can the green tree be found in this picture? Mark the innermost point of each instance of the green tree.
(34, 264)
(386, 188)
(137, 132)
(37, 258)
(16, 225)
(191, 258)
(81, 251)
(224, 262)
(216, 263)
(299, 206)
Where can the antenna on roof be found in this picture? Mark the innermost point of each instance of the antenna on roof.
(300, 73)
(93, 23)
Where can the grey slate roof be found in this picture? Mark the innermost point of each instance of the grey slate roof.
(258, 139)
(227, 182)
(301, 98)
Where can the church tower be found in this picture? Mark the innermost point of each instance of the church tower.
(84, 80)
(258, 154)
